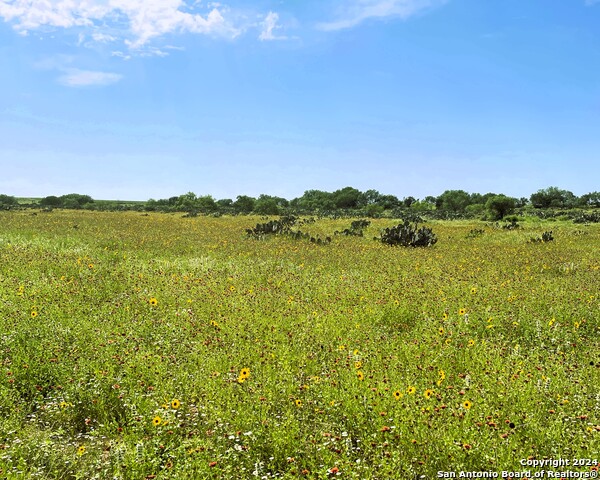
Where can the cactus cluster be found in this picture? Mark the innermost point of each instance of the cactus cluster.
(408, 234)
(546, 237)
(475, 233)
(283, 226)
(356, 228)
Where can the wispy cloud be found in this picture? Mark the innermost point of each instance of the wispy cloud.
(355, 12)
(135, 22)
(86, 78)
(268, 25)
(75, 77)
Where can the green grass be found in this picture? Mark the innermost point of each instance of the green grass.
(333, 336)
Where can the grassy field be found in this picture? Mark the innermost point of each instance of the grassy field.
(153, 346)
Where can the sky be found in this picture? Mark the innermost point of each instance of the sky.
(139, 99)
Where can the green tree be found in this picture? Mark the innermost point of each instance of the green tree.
(50, 201)
(388, 202)
(266, 206)
(553, 197)
(499, 206)
(8, 201)
(408, 201)
(187, 202)
(371, 196)
(206, 204)
(75, 200)
(225, 203)
(455, 201)
(314, 200)
(244, 204)
(348, 197)
(269, 205)
(475, 209)
(591, 199)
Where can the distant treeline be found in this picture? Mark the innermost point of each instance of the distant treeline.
(347, 201)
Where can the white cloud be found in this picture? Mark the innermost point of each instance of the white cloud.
(85, 78)
(135, 21)
(268, 25)
(120, 54)
(103, 37)
(355, 12)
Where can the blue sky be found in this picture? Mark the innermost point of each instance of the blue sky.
(138, 99)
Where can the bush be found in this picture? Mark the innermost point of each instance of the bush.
(546, 237)
(408, 234)
(585, 217)
(511, 224)
(273, 227)
(7, 202)
(283, 226)
(356, 228)
(476, 232)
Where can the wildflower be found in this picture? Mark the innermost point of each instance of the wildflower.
(471, 342)
(153, 301)
(81, 450)
(232, 288)
(357, 364)
(156, 421)
(298, 402)
(411, 390)
(245, 373)
(441, 331)
(442, 374)
(473, 291)
(397, 394)
(360, 375)
(428, 393)
(445, 316)
(467, 404)
(91, 266)
(175, 404)
(34, 314)
(462, 311)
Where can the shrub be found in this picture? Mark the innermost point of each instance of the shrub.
(356, 228)
(474, 233)
(546, 237)
(272, 227)
(511, 224)
(283, 226)
(587, 218)
(408, 234)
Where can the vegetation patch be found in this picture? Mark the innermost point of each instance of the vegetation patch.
(408, 234)
(140, 347)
